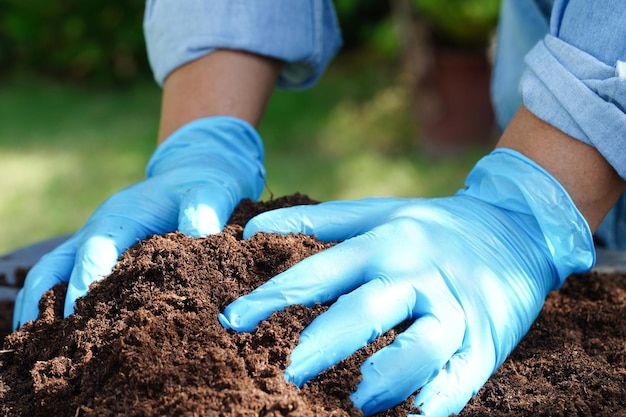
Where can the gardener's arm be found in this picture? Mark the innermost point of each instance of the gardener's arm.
(223, 57)
(213, 156)
(223, 83)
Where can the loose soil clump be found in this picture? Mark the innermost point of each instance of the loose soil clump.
(145, 341)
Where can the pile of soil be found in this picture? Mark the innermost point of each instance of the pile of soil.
(146, 341)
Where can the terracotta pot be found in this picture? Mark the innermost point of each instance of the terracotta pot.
(453, 104)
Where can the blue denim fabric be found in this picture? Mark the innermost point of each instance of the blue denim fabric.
(521, 24)
(303, 33)
(574, 81)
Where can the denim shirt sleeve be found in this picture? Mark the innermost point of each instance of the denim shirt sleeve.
(576, 76)
(303, 33)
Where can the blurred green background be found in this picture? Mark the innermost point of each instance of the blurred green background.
(79, 115)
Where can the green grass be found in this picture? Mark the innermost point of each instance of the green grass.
(63, 149)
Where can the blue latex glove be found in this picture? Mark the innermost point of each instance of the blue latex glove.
(470, 271)
(193, 182)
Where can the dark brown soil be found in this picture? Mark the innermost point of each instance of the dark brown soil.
(146, 342)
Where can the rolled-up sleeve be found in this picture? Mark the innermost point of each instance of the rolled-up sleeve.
(576, 76)
(303, 33)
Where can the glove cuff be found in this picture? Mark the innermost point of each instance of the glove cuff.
(507, 179)
(227, 144)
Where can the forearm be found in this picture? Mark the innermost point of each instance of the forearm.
(223, 83)
(591, 182)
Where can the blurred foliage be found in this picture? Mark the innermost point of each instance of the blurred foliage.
(460, 22)
(97, 40)
(363, 21)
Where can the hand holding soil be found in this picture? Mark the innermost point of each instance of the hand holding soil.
(188, 187)
(469, 273)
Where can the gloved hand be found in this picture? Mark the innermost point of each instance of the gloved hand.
(470, 271)
(193, 182)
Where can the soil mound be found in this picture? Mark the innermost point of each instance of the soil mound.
(146, 341)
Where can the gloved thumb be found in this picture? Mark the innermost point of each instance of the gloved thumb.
(205, 209)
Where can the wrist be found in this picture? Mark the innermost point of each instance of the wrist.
(518, 187)
(593, 185)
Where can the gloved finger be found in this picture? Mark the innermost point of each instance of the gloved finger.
(353, 321)
(454, 386)
(416, 356)
(52, 269)
(105, 239)
(330, 221)
(205, 209)
(17, 310)
(319, 278)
